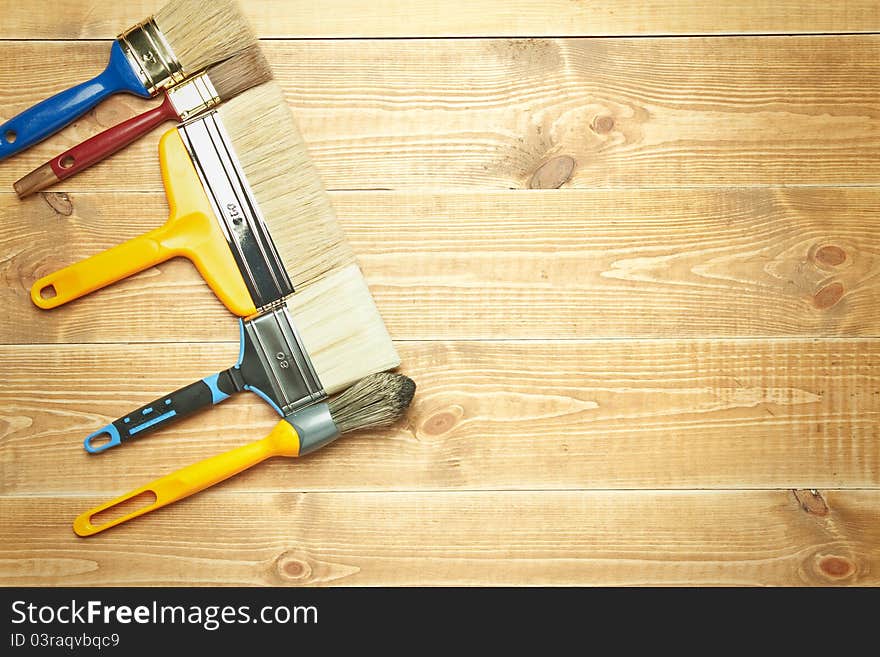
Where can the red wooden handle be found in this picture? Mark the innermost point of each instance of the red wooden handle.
(103, 145)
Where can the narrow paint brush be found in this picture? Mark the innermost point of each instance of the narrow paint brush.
(181, 39)
(197, 94)
(376, 401)
(247, 207)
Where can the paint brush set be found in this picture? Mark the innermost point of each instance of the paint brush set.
(247, 208)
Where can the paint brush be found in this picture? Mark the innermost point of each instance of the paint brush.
(322, 340)
(190, 98)
(181, 39)
(375, 401)
(247, 208)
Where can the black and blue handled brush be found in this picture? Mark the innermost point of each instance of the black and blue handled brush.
(338, 344)
(272, 363)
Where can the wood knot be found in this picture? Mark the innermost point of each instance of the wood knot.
(602, 125)
(439, 424)
(830, 256)
(835, 567)
(59, 202)
(442, 421)
(828, 296)
(292, 565)
(812, 502)
(553, 173)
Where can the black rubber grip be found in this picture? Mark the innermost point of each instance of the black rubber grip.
(179, 404)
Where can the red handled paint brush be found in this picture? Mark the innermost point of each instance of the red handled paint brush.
(199, 94)
(181, 39)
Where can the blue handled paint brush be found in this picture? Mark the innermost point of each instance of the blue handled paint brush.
(180, 40)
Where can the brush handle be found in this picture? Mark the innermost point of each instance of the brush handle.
(165, 410)
(102, 269)
(192, 231)
(95, 149)
(282, 441)
(48, 117)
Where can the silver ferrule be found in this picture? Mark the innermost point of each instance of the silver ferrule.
(150, 56)
(236, 209)
(315, 427)
(285, 368)
(193, 97)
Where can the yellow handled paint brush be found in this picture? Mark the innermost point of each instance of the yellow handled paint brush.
(376, 401)
(246, 206)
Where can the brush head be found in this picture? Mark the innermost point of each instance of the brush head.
(377, 400)
(202, 32)
(240, 72)
(341, 329)
(285, 183)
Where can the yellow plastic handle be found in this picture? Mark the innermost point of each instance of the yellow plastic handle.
(281, 441)
(100, 270)
(192, 230)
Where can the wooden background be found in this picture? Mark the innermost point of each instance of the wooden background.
(628, 250)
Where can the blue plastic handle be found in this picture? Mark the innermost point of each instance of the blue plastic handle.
(48, 117)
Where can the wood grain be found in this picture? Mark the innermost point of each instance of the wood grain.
(507, 415)
(635, 279)
(536, 264)
(559, 538)
(496, 113)
(79, 19)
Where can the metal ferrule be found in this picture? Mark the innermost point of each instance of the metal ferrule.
(285, 368)
(193, 97)
(236, 208)
(315, 427)
(150, 56)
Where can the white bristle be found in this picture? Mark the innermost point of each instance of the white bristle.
(203, 32)
(341, 329)
(286, 185)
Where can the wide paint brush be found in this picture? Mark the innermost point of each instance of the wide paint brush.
(375, 401)
(321, 340)
(247, 208)
(181, 39)
(197, 94)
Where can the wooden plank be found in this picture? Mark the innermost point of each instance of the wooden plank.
(499, 113)
(538, 264)
(80, 19)
(507, 415)
(492, 538)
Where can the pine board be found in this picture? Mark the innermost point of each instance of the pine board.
(520, 113)
(545, 264)
(488, 415)
(81, 19)
(635, 276)
(565, 538)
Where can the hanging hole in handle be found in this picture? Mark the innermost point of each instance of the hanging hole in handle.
(100, 441)
(10, 136)
(125, 508)
(48, 292)
(67, 161)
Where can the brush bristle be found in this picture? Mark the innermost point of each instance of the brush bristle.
(240, 72)
(285, 183)
(203, 32)
(375, 401)
(341, 329)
